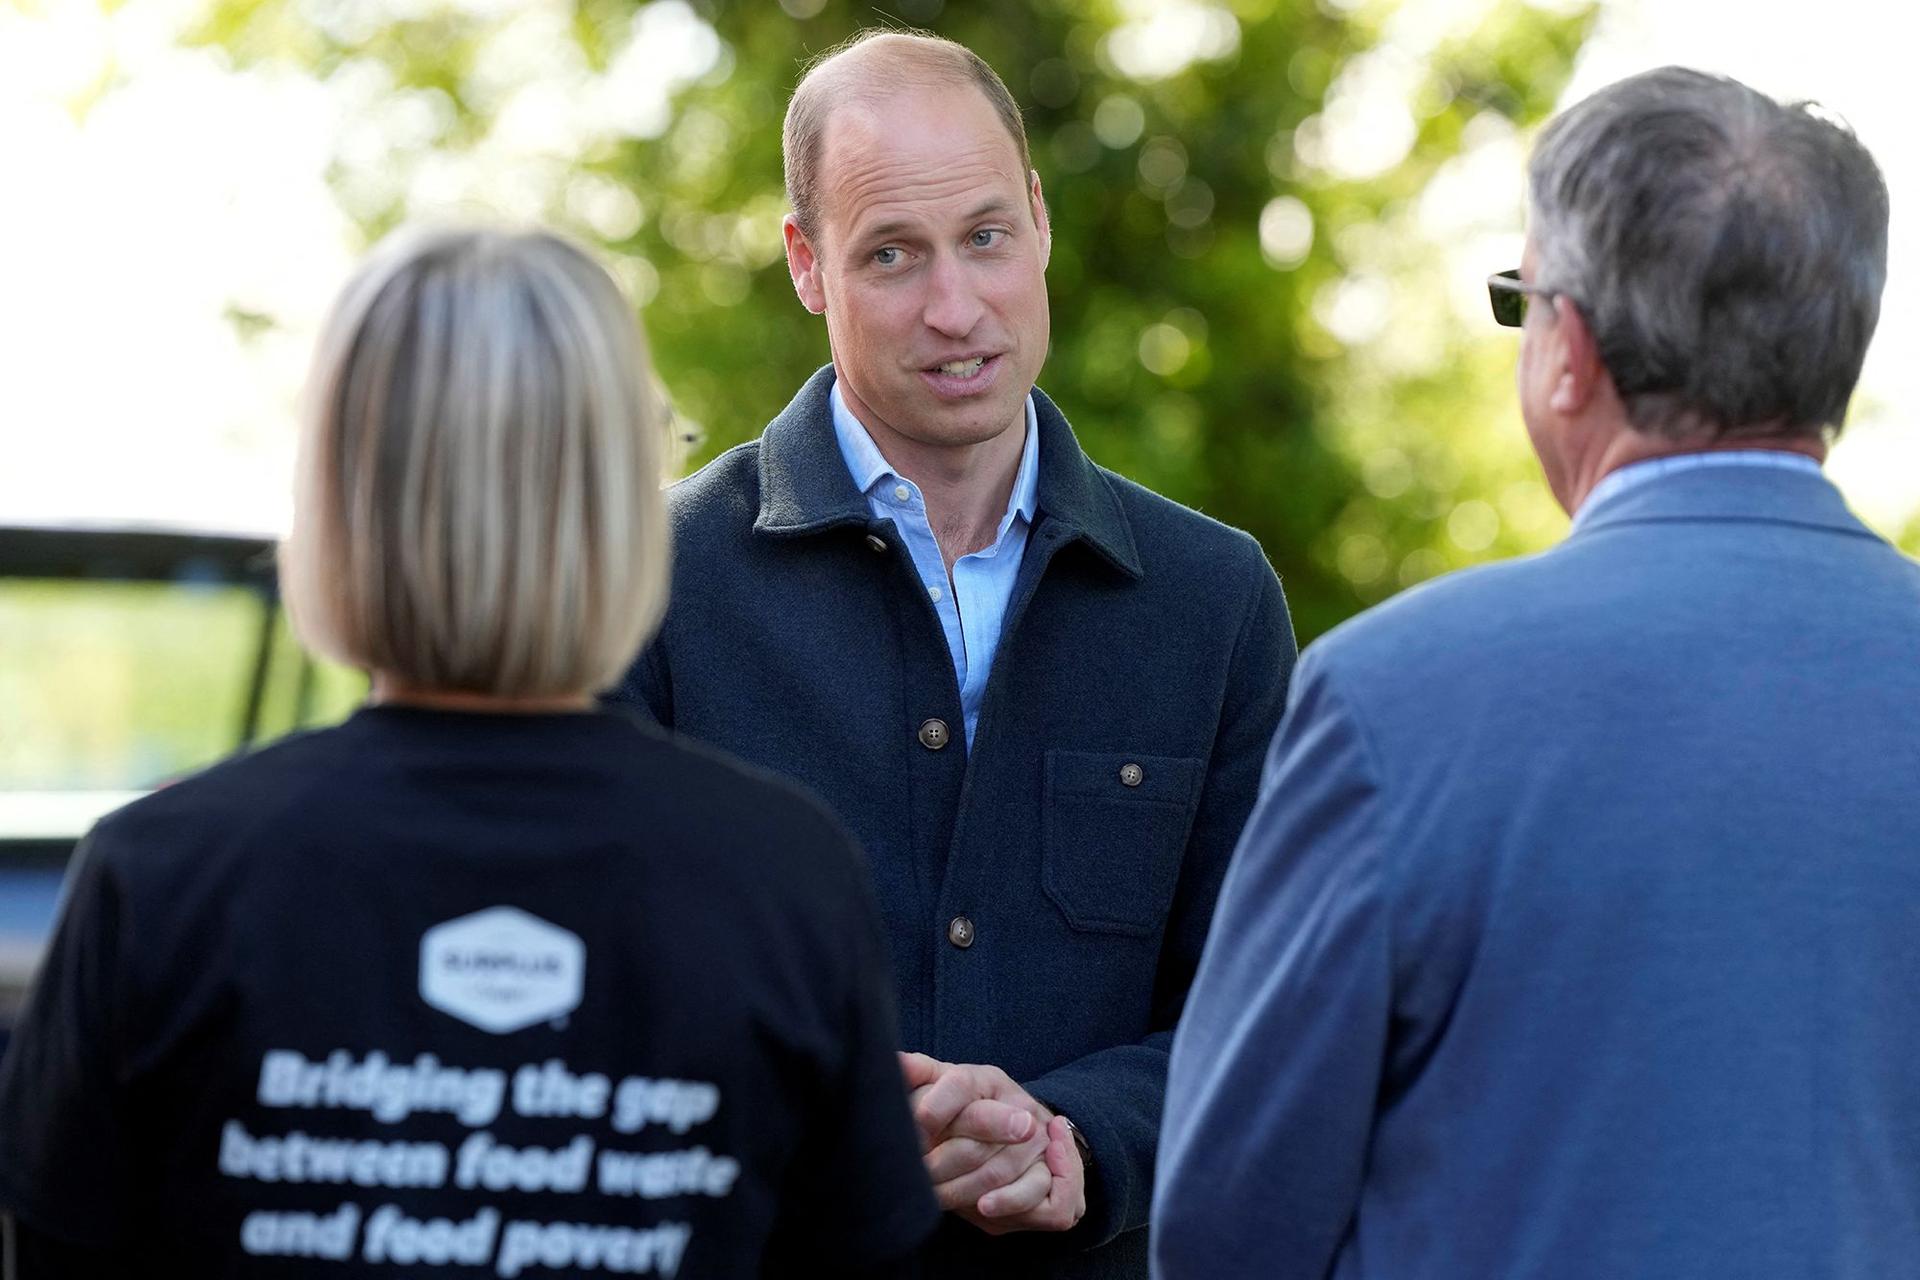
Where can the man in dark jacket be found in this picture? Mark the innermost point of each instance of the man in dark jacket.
(1038, 693)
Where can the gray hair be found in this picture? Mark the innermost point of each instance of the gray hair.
(1727, 251)
(478, 504)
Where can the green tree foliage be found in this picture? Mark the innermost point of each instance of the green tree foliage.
(1241, 320)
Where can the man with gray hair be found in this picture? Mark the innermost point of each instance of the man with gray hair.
(1035, 691)
(1577, 930)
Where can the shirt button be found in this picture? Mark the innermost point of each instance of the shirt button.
(1132, 775)
(960, 932)
(933, 734)
(933, 593)
(877, 542)
(901, 493)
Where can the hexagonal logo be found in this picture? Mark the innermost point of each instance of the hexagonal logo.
(501, 969)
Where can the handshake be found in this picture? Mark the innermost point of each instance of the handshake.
(998, 1157)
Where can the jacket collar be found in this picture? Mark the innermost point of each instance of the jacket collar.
(805, 487)
(1766, 495)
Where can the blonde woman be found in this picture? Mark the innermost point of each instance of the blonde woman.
(484, 980)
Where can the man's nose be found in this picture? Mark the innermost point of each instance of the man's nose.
(953, 304)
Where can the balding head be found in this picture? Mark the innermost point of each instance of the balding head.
(866, 69)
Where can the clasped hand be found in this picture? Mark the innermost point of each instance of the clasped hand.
(997, 1156)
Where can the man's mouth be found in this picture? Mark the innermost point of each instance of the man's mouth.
(961, 369)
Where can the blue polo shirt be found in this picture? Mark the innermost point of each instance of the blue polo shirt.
(972, 604)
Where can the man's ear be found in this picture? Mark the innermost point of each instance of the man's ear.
(1581, 372)
(1040, 223)
(803, 264)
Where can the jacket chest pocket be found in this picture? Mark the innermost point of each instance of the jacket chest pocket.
(1114, 832)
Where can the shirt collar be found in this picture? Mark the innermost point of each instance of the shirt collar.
(864, 460)
(806, 488)
(869, 467)
(1635, 474)
(1768, 493)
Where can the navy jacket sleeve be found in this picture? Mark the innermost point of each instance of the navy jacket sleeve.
(1278, 1062)
(1115, 1095)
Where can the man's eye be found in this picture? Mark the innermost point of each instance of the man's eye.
(987, 238)
(886, 257)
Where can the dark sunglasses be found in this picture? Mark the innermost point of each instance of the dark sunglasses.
(1508, 293)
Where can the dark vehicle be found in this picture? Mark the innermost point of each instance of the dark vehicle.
(128, 657)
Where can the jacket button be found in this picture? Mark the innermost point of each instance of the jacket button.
(877, 542)
(933, 734)
(960, 932)
(1132, 775)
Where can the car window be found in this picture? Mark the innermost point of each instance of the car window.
(111, 686)
(128, 658)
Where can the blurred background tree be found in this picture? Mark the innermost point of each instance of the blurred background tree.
(1271, 220)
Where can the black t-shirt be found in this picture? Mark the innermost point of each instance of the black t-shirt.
(441, 993)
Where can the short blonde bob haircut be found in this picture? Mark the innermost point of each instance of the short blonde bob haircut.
(478, 503)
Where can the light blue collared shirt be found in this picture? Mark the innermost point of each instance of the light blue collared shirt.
(973, 604)
(1635, 474)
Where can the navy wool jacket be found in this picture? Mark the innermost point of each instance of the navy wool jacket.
(1045, 903)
